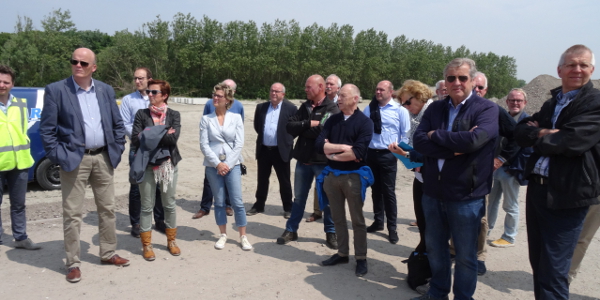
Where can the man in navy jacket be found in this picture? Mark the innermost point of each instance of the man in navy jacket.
(456, 137)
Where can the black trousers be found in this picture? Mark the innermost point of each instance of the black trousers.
(552, 235)
(419, 214)
(270, 157)
(384, 166)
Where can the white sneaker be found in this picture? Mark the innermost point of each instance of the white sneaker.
(245, 244)
(220, 244)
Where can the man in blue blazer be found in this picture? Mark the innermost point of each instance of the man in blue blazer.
(82, 131)
(273, 148)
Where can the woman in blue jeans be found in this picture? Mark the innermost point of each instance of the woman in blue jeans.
(221, 141)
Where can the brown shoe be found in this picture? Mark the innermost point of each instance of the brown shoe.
(117, 261)
(148, 252)
(171, 245)
(200, 214)
(73, 275)
(313, 218)
(229, 211)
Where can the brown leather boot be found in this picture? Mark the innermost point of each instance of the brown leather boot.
(171, 245)
(146, 238)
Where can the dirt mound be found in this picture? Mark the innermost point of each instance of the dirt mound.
(538, 91)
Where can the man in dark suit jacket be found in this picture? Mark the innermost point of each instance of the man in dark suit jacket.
(273, 148)
(82, 131)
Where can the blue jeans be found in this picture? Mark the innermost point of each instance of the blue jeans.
(231, 183)
(460, 220)
(508, 185)
(17, 182)
(303, 179)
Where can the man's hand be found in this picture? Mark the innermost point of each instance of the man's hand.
(430, 133)
(314, 123)
(497, 164)
(543, 131)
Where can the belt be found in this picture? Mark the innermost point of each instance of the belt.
(94, 151)
(380, 150)
(539, 179)
(270, 147)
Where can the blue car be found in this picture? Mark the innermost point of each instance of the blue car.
(44, 172)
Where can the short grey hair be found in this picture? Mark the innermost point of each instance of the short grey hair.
(519, 90)
(457, 62)
(354, 90)
(484, 77)
(339, 81)
(437, 84)
(233, 85)
(282, 86)
(576, 49)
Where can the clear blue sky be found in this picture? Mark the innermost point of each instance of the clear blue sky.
(534, 32)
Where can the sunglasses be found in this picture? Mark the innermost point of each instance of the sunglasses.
(153, 92)
(81, 62)
(480, 87)
(461, 78)
(407, 102)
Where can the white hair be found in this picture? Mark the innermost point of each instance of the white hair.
(576, 49)
(484, 78)
(437, 84)
(339, 81)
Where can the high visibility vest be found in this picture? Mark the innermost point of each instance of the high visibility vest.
(14, 142)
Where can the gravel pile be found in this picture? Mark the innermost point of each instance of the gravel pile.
(538, 91)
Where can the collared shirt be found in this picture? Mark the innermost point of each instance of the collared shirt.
(129, 107)
(3, 107)
(271, 121)
(395, 124)
(452, 113)
(90, 109)
(541, 166)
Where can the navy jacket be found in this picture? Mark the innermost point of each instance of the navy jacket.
(463, 177)
(516, 166)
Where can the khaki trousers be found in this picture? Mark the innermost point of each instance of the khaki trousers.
(339, 189)
(590, 226)
(96, 169)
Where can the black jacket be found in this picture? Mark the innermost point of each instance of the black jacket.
(299, 126)
(574, 150)
(173, 119)
(284, 140)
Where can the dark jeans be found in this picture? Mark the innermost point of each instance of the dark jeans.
(270, 157)
(460, 220)
(135, 202)
(419, 214)
(17, 182)
(384, 166)
(552, 235)
(207, 196)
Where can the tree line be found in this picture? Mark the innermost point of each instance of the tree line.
(195, 54)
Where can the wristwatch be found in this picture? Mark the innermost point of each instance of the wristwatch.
(407, 155)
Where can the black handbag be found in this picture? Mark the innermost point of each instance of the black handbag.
(419, 271)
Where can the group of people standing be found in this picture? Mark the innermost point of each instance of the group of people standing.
(468, 146)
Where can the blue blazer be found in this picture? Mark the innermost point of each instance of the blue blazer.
(62, 128)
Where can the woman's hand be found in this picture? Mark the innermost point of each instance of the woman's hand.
(222, 169)
(396, 149)
(171, 131)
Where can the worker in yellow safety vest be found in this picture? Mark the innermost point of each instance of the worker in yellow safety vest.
(15, 159)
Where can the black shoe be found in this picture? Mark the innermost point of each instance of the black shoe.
(287, 237)
(287, 214)
(335, 259)
(253, 211)
(481, 269)
(374, 227)
(135, 230)
(393, 237)
(160, 226)
(361, 267)
(331, 240)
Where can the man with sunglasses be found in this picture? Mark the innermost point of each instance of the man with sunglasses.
(562, 171)
(456, 137)
(82, 131)
(129, 107)
(207, 195)
(391, 125)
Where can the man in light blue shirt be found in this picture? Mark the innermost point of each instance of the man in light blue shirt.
(391, 124)
(207, 196)
(129, 107)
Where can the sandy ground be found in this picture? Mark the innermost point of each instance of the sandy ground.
(269, 271)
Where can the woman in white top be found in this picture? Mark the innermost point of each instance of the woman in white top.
(221, 141)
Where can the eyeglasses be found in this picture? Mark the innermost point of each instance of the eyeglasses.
(480, 87)
(138, 78)
(407, 102)
(461, 78)
(76, 62)
(276, 92)
(153, 92)
(216, 96)
(515, 100)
